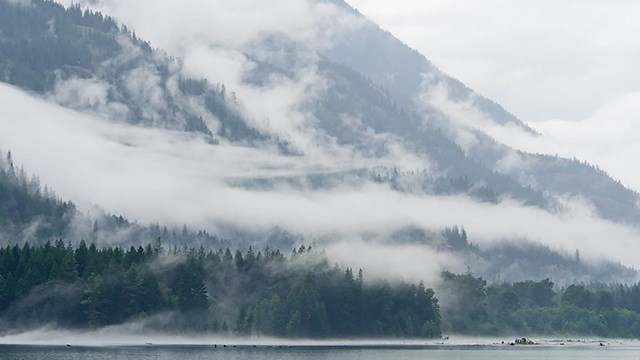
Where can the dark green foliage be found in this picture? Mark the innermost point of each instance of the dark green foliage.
(579, 296)
(264, 293)
(535, 293)
(569, 319)
(323, 301)
(534, 307)
(456, 237)
(466, 304)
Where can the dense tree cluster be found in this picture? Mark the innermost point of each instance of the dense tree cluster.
(471, 306)
(335, 302)
(243, 293)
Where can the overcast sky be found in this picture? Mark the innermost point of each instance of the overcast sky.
(568, 68)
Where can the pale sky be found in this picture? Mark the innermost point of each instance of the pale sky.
(568, 68)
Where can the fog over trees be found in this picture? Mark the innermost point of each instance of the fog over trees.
(276, 176)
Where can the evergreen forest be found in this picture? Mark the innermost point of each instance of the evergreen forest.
(263, 293)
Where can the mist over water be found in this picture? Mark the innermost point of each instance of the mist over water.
(134, 334)
(480, 349)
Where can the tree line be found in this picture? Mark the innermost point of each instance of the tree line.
(263, 293)
(472, 306)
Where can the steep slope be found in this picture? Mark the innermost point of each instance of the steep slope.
(358, 114)
(26, 211)
(353, 96)
(375, 99)
(84, 60)
(379, 93)
(410, 78)
(405, 72)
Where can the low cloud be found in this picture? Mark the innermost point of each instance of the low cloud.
(226, 42)
(606, 138)
(602, 139)
(157, 175)
(135, 334)
(88, 95)
(231, 25)
(395, 262)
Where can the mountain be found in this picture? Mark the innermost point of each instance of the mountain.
(408, 75)
(362, 98)
(84, 60)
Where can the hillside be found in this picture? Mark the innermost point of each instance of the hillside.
(85, 60)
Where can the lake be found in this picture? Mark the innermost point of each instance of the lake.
(582, 351)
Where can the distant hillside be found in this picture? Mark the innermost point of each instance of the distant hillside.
(26, 211)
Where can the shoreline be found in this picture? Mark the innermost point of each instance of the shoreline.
(244, 344)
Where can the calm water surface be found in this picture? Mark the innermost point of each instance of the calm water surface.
(585, 352)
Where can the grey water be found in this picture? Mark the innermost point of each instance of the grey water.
(191, 352)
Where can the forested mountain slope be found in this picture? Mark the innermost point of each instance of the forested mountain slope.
(86, 61)
(373, 100)
(411, 79)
